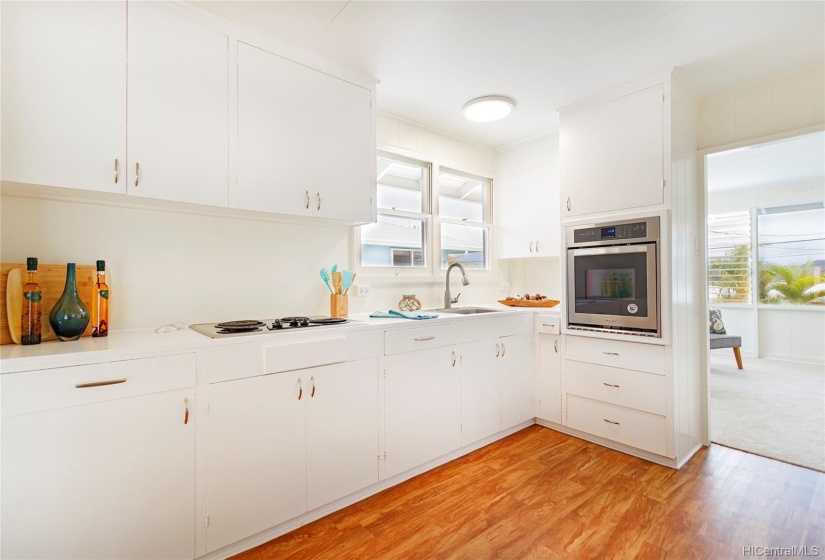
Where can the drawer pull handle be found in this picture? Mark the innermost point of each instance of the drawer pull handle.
(547, 325)
(99, 383)
(556, 346)
(186, 411)
(319, 201)
(300, 389)
(307, 205)
(116, 169)
(610, 385)
(137, 173)
(312, 380)
(611, 353)
(424, 338)
(453, 353)
(612, 422)
(498, 351)
(503, 349)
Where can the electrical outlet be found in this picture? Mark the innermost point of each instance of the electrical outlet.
(363, 291)
(505, 287)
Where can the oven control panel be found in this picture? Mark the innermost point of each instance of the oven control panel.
(636, 230)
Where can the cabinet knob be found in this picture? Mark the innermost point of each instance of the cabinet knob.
(498, 350)
(312, 382)
(503, 349)
(453, 353)
(300, 389)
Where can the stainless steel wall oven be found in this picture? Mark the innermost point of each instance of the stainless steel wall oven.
(613, 277)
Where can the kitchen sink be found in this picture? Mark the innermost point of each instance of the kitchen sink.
(468, 310)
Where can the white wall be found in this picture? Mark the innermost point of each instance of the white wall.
(178, 267)
(784, 103)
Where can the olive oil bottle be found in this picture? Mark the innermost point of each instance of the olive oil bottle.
(30, 327)
(100, 303)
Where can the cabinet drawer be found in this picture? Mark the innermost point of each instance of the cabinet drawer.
(634, 389)
(548, 324)
(35, 391)
(301, 355)
(617, 423)
(614, 353)
(408, 340)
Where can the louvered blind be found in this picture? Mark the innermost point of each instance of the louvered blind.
(729, 257)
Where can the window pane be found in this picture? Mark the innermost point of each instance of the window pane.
(393, 241)
(463, 198)
(467, 245)
(401, 185)
(729, 257)
(792, 256)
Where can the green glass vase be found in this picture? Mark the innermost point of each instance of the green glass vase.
(69, 317)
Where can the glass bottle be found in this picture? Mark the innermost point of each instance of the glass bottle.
(69, 316)
(100, 303)
(30, 321)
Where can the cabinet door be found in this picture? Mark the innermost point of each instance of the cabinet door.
(517, 380)
(114, 479)
(422, 407)
(480, 391)
(342, 430)
(528, 188)
(64, 94)
(178, 111)
(305, 141)
(612, 154)
(256, 455)
(549, 378)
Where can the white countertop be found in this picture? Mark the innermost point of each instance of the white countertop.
(124, 345)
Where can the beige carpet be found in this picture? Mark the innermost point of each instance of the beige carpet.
(771, 408)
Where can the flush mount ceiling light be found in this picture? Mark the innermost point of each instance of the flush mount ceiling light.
(488, 109)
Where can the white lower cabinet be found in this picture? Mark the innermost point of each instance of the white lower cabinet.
(113, 477)
(550, 390)
(517, 380)
(480, 390)
(496, 385)
(285, 443)
(618, 423)
(422, 407)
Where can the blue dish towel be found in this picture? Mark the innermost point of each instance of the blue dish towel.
(393, 314)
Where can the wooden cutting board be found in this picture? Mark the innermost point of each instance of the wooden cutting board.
(52, 279)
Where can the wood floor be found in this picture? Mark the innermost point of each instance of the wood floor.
(542, 494)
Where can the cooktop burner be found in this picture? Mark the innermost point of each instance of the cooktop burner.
(237, 328)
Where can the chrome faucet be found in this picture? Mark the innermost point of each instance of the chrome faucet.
(448, 301)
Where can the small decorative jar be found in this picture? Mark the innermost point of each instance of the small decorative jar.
(409, 303)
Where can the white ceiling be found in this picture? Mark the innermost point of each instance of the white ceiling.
(801, 158)
(432, 57)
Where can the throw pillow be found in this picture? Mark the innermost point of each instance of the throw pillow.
(716, 324)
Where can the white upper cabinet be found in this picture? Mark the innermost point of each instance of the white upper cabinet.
(527, 186)
(178, 110)
(305, 140)
(612, 154)
(64, 94)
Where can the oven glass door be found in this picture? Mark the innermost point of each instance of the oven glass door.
(614, 286)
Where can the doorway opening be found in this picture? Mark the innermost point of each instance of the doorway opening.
(766, 296)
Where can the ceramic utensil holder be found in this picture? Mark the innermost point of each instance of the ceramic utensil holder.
(338, 305)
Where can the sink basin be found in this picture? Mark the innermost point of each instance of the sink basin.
(468, 310)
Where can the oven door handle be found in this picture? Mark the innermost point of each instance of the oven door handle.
(624, 249)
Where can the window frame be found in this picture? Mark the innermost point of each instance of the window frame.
(486, 224)
(432, 272)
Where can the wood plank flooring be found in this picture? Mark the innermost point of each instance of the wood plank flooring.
(542, 494)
